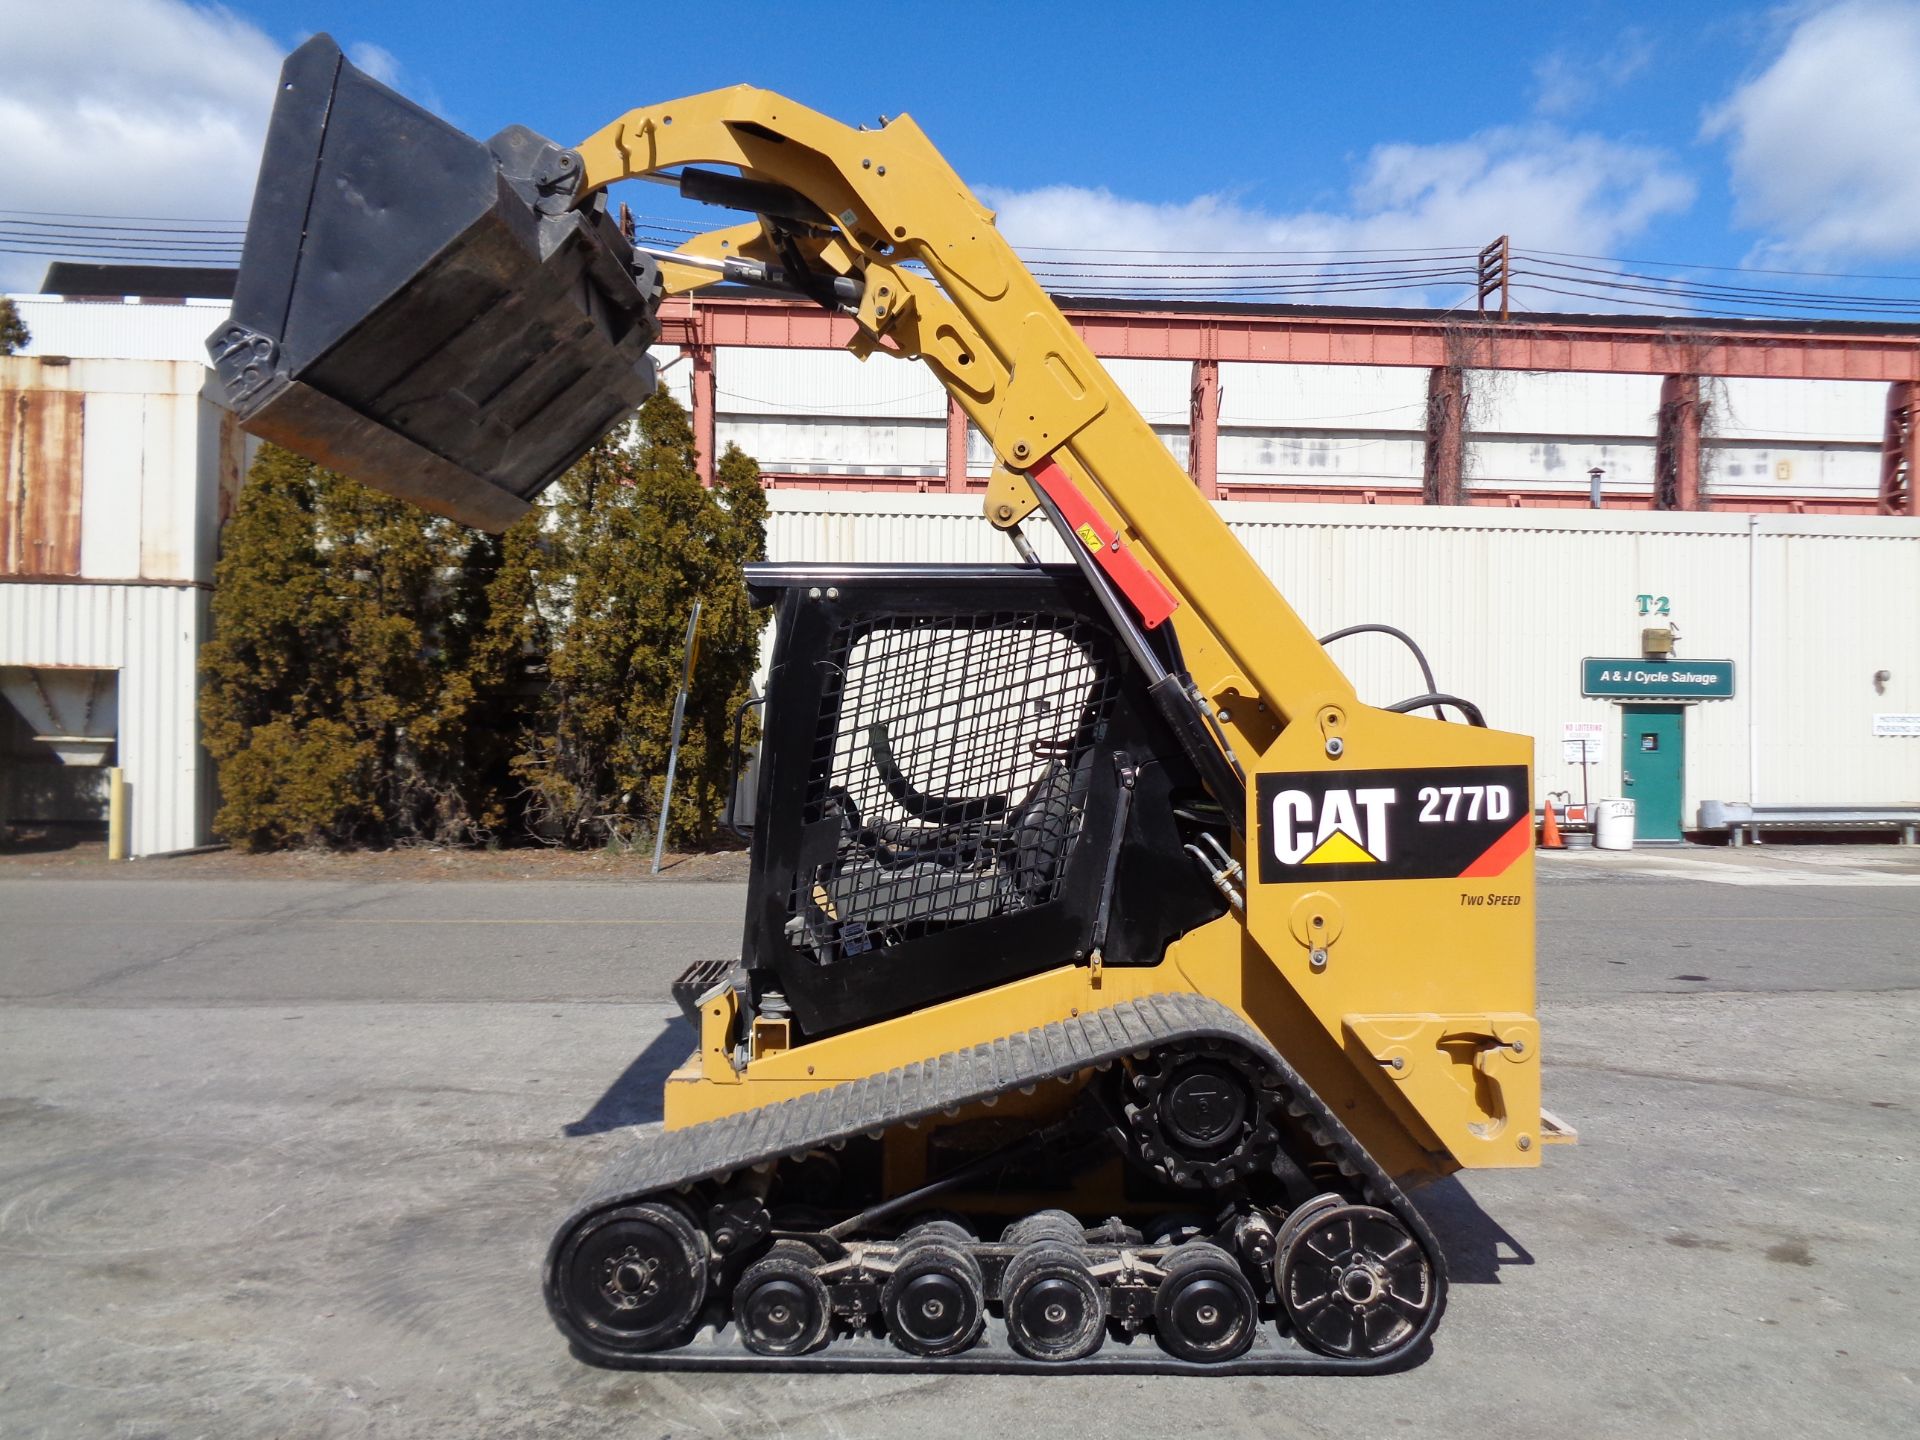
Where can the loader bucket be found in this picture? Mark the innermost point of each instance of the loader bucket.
(421, 311)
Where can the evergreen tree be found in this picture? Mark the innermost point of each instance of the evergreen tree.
(501, 648)
(633, 540)
(729, 650)
(13, 330)
(329, 700)
(377, 674)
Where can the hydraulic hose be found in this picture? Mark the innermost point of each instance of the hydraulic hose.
(1437, 699)
(1419, 655)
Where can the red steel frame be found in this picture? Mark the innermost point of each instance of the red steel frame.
(1619, 345)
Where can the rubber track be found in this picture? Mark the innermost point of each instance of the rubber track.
(716, 1148)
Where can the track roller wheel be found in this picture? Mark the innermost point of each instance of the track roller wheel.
(1055, 1225)
(780, 1305)
(1355, 1283)
(1055, 1309)
(635, 1278)
(935, 1300)
(1204, 1310)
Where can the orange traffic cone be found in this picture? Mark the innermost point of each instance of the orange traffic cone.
(1550, 831)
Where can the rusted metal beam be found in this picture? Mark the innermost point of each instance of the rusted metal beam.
(956, 447)
(1900, 452)
(1617, 345)
(1676, 483)
(1446, 436)
(701, 357)
(1203, 428)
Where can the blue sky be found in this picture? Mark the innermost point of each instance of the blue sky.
(1706, 132)
(1277, 105)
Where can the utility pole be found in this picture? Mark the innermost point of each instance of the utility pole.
(1492, 274)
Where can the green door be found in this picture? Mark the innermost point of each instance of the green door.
(1652, 762)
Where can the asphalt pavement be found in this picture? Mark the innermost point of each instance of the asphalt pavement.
(281, 1158)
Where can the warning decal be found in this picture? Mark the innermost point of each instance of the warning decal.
(1393, 824)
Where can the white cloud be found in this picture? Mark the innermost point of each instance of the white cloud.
(383, 65)
(1548, 189)
(377, 61)
(131, 107)
(1564, 83)
(1821, 141)
(141, 108)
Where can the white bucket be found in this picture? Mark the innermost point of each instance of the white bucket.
(1613, 824)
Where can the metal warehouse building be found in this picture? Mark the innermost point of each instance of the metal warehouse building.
(1755, 483)
(116, 477)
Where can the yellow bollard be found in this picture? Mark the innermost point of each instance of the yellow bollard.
(116, 814)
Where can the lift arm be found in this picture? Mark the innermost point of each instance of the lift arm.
(938, 283)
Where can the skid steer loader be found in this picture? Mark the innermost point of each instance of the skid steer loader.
(1110, 971)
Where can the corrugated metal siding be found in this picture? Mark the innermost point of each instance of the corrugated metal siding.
(1523, 465)
(1507, 602)
(1161, 390)
(1840, 608)
(112, 331)
(765, 381)
(151, 635)
(836, 445)
(1844, 410)
(1828, 471)
(1358, 426)
(1323, 397)
(1319, 457)
(675, 373)
(1323, 425)
(1515, 402)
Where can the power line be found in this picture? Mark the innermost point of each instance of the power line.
(73, 227)
(1616, 279)
(55, 244)
(1736, 269)
(1591, 295)
(1277, 274)
(131, 258)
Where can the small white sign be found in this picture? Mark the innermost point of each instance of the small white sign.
(1580, 741)
(1905, 725)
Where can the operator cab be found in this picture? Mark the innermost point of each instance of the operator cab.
(963, 780)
